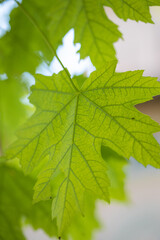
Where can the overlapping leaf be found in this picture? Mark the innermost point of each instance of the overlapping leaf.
(62, 140)
(16, 205)
(51, 20)
(132, 9)
(54, 19)
(95, 32)
(12, 111)
(93, 29)
(83, 227)
(22, 48)
(115, 164)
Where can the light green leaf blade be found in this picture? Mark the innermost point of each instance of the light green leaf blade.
(84, 226)
(47, 23)
(96, 33)
(61, 143)
(63, 16)
(131, 9)
(52, 20)
(93, 30)
(53, 130)
(111, 98)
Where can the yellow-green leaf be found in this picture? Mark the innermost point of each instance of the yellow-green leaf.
(132, 9)
(61, 142)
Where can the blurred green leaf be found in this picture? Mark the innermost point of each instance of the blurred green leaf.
(80, 79)
(36, 24)
(116, 164)
(83, 227)
(22, 48)
(16, 205)
(12, 111)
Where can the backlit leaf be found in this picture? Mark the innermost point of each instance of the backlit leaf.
(61, 142)
(132, 9)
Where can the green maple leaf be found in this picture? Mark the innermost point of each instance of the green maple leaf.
(62, 141)
(131, 9)
(49, 22)
(95, 32)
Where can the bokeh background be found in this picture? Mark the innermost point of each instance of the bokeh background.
(139, 217)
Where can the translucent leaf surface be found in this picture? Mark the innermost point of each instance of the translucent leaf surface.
(132, 9)
(95, 32)
(62, 141)
(48, 22)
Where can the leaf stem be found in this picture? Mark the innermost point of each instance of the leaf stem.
(46, 40)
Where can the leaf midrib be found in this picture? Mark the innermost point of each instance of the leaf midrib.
(70, 160)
